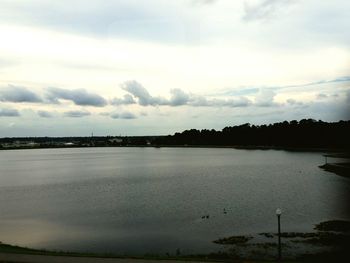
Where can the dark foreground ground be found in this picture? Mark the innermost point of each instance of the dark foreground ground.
(29, 258)
(24, 258)
(331, 239)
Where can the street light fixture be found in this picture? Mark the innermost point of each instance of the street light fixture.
(279, 213)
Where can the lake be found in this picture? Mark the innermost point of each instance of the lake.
(152, 200)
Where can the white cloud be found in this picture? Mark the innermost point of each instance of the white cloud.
(178, 98)
(321, 96)
(76, 113)
(18, 94)
(294, 102)
(263, 9)
(9, 112)
(45, 114)
(126, 100)
(265, 98)
(348, 97)
(143, 96)
(78, 96)
(179, 52)
(204, 2)
(123, 115)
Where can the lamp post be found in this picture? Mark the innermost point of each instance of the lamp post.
(278, 213)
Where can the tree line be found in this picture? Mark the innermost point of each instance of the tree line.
(306, 133)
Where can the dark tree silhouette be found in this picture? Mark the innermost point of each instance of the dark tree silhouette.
(307, 133)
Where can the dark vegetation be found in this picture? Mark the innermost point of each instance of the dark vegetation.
(342, 169)
(334, 225)
(304, 134)
(233, 240)
(6, 248)
(332, 235)
(331, 241)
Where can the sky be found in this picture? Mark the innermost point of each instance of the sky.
(156, 67)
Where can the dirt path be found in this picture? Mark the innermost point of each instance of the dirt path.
(26, 258)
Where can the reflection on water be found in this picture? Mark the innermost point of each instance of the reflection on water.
(148, 200)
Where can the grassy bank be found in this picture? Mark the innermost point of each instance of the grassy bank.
(342, 169)
(7, 248)
(330, 238)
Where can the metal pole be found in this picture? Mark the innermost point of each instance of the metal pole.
(279, 237)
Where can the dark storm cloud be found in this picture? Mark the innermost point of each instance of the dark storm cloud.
(18, 94)
(76, 114)
(45, 114)
(9, 113)
(124, 115)
(78, 96)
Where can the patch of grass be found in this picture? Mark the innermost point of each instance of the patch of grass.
(334, 225)
(290, 235)
(298, 234)
(341, 169)
(268, 235)
(327, 239)
(218, 257)
(233, 240)
(268, 245)
(16, 249)
(6, 248)
(325, 257)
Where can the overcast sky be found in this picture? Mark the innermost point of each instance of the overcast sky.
(135, 67)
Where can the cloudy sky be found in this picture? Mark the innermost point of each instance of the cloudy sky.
(137, 67)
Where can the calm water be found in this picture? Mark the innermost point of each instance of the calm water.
(149, 200)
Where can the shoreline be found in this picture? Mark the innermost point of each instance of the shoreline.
(237, 147)
(341, 169)
(18, 250)
(327, 239)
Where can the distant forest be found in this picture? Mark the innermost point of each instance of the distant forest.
(307, 133)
